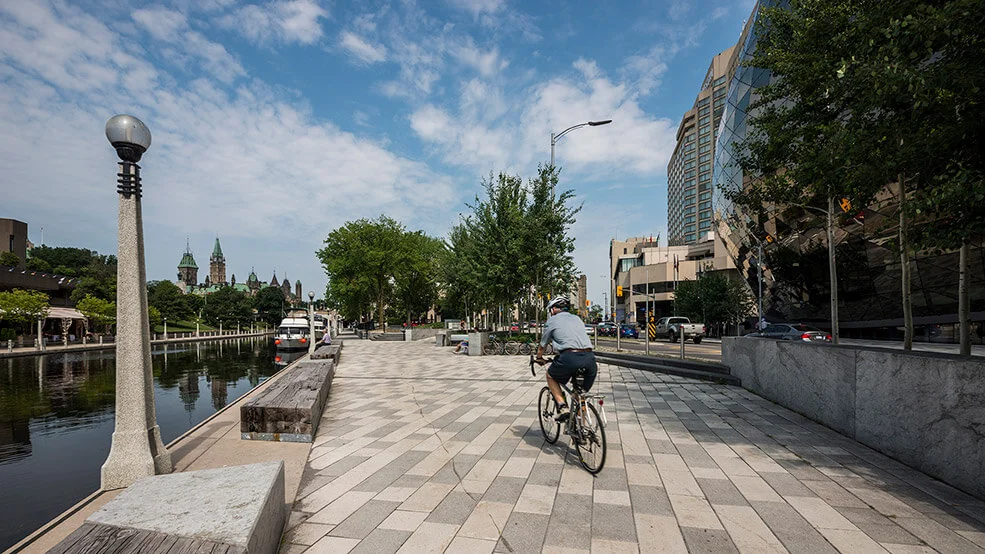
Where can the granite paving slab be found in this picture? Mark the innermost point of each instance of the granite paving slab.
(420, 450)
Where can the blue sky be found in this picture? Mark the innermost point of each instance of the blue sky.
(275, 122)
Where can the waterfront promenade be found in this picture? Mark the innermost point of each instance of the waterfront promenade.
(420, 450)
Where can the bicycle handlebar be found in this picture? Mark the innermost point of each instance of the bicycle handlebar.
(532, 362)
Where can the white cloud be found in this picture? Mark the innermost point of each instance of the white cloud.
(161, 23)
(486, 63)
(278, 20)
(479, 7)
(364, 51)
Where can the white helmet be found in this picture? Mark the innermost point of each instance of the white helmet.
(559, 302)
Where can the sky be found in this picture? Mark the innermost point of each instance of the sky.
(275, 122)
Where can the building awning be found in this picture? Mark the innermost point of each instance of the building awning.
(64, 313)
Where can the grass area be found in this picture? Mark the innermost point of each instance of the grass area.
(185, 326)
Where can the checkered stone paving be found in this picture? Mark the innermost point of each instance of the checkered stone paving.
(421, 450)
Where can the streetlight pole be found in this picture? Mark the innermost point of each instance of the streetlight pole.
(311, 322)
(165, 328)
(136, 450)
(555, 137)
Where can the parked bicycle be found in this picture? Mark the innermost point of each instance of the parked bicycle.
(585, 426)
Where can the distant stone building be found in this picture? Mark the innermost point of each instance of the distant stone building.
(216, 279)
(217, 265)
(297, 289)
(187, 268)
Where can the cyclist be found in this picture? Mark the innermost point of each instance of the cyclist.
(574, 351)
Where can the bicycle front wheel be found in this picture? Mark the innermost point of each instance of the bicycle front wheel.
(547, 409)
(589, 439)
(489, 348)
(512, 348)
(525, 348)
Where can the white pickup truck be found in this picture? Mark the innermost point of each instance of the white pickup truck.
(673, 327)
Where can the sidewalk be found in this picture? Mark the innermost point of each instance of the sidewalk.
(420, 450)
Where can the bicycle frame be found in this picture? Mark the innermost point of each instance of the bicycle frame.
(597, 400)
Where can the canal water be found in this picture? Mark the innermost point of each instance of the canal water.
(57, 416)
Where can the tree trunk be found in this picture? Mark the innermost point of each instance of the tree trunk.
(904, 252)
(964, 300)
(833, 269)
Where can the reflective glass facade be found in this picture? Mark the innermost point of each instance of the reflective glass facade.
(795, 278)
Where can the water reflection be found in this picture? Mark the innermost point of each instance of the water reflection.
(56, 417)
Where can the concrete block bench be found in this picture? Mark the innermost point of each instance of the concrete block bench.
(231, 510)
(290, 409)
(329, 352)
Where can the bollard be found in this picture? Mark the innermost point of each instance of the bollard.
(682, 344)
(10, 346)
(100, 339)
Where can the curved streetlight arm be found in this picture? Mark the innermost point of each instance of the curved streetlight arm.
(554, 137)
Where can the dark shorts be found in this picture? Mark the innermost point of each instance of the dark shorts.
(574, 364)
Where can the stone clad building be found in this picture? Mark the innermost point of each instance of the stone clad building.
(216, 279)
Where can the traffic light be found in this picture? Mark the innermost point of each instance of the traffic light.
(619, 290)
(588, 303)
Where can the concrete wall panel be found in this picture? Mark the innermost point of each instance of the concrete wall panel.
(925, 410)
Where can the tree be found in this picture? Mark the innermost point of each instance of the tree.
(269, 303)
(38, 264)
(714, 300)
(595, 313)
(418, 279)
(229, 306)
(871, 96)
(9, 259)
(23, 306)
(168, 299)
(98, 311)
(362, 259)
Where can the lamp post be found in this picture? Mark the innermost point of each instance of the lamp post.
(311, 322)
(165, 328)
(136, 450)
(555, 137)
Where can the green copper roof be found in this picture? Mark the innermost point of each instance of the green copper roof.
(217, 251)
(188, 261)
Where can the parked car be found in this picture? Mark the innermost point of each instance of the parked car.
(792, 331)
(672, 328)
(514, 327)
(629, 331)
(606, 329)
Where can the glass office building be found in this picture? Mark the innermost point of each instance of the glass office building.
(795, 278)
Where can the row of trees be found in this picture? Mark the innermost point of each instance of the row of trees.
(871, 98)
(513, 249)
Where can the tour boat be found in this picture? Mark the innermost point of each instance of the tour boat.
(293, 333)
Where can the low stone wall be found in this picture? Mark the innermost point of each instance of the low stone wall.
(925, 410)
(418, 333)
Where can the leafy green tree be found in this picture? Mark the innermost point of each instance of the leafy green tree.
(23, 306)
(168, 299)
(229, 306)
(99, 312)
(9, 259)
(714, 300)
(38, 264)
(154, 316)
(418, 279)
(362, 259)
(269, 303)
(595, 313)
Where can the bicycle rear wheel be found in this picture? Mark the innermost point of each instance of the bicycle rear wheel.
(489, 348)
(525, 348)
(512, 348)
(547, 409)
(589, 439)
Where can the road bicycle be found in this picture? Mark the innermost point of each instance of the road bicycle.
(585, 425)
(497, 345)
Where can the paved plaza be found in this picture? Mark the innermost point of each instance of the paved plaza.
(421, 450)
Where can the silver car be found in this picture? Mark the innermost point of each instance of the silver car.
(793, 331)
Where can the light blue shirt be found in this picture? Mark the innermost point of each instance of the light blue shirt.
(566, 330)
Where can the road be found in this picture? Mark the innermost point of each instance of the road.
(707, 351)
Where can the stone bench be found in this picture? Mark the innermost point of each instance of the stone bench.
(329, 352)
(230, 510)
(290, 408)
